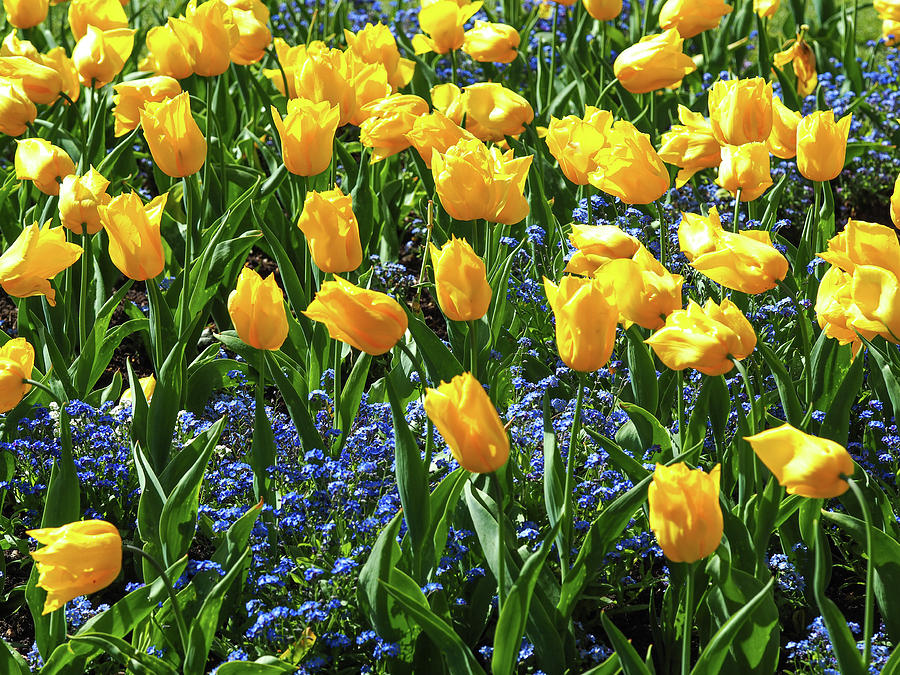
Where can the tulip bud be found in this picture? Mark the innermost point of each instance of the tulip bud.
(387, 123)
(575, 142)
(656, 62)
(460, 281)
(685, 514)
(586, 317)
(783, 138)
(100, 55)
(435, 132)
(805, 465)
(16, 365)
(603, 10)
(367, 320)
(251, 18)
(45, 164)
(442, 22)
(35, 257)
(131, 97)
(494, 112)
(41, 83)
(628, 167)
(26, 13)
(692, 147)
(597, 245)
(745, 168)
(740, 111)
(77, 559)
(766, 8)
(168, 55)
(176, 142)
(101, 14)
(331, 231)
(16, 109)
(307, 135)
(211, 33)
(147, 385)
(492, 42)
(135, 244)
(468, 421)
(645, 292)
(79, 200)
(377, 45)
(256, 308)
(692, 18)
(822, 145)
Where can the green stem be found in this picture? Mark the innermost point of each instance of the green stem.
(587, 191)
(737, 211)
(44, 387)
(552, 72)
(663, 234)
(688, 620)
(869, 621)
(453, 65)
(337, 386)
(748, 389)
(501, 544)
(569, 517)
(473, 349)
(679, 379)
(188, 255)
(176, 610)
(86, 264)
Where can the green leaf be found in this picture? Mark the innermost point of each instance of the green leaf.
(137, 661)
(786, 390)
(554, 470)
(619, 458)
(11, 662)
(629, 659)
(253, 668)
(836, 425)
(164, 407)
(644, 383)
(440, 364)
(645, 421)
(374, 600)
(298, 408)
(351, 395)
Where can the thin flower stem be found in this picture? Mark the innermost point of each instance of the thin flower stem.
(688, 620)
(86, 264)
(501, 544)
(737, 211)
(869, 621)
(176, 610)
(569, 517)
(473, 346)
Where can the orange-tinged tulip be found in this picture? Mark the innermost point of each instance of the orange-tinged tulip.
(492, 42)
(435, 132)
(16, 365)
(460, 281)
(628, 167)
(376, 44)
(367, 320)
(100, 55)
(176, 142)
(79, 200)
(740, 111)
(597, 245)
(131, 97)
(745, 168)
(575, 142)
(77, 559)
(251, 18)
(256, 308)
(168, 55)
(586, 317)
(35, 257)
(805, 465)
(16, 109)
(895, 203)
(690, 145)
(307, 135)
(804, 59)
(387, 123)
(211, 32)
(41, 83)
(656, 62)
(705, 339)
(135, 244)
(147, 385)
(442, 23)
(685, 514)
(692, 18)
(603, 10)
(331, 231)
(822, 145)
(494, 112)
(26, 13)
(783, 137)
(44, 163)
(101, 14)
(646, 293)
(468, 421)
(766, 8)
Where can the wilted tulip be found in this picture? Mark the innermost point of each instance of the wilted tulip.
(646, 293)
(692, 18)
(376, 44)
(656, 62)
(603, 10)
(822, 145)
(35, 257)
(26, 13)
(460, 281)
(586, 317)
(685, 514)
(783, 138)
(44, 163)
(575, 142)
(168, 55)
(628, 166)
(16, 365)
(331, 231)
(211, 33)
(597, 245)
(387, 123)
(307, 135)
(492, 42)
(176, 142)
(468, 421)
(42, 83)
(766, 8)
(16, 109)
(740, 111)
(442, 23)
(100, 55)
(77, 559)
(691, 147)
(805, 465)
(745, 168)
(804, 60)
(494, 112)
(135, 244)
(131, 97)
(251, 18)
(435, 131)
(79, 200)
(256, 308)
(101, 14)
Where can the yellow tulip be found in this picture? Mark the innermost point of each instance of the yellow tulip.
(822, 145)
(895, 203)
(41, 83)
(468, 421)
(494, 112)
(597, 245)
(324, 76)
(805, 465)
(79, 200)
(442, 24)
(745, 168)
(176, 142)
(783, 137)
(131, 97)
(16, 365)
(876, 292)
(210, 33)
(331, 231)
(254, 36)
(167, 54)
(690, 145)
(862, 243)
(656, 62)
(888, 10)
(492, 42)
(685, 514)
(58, 60)
(692, 18)
(368, 83)
(835, 311)
(26, 13)
(740, 111)
(77, 559)
(646, 293)
(44, 163)
(890, 31)
(586, 317)
(101, 14)
(307, 135)
(291, 60)
(35, 257)
(135, 244)
(13, 46)
(16, 109)
(628, 167)
(575, 142)
(367, 320)
(100, 55)
(460, 281)
(766, 8)
(376, 44)
(147, 385)
(510, 173)
(804, 59)
(256, 308)
(603, 10)
(435, 131)
(387, 123)
(450, 100)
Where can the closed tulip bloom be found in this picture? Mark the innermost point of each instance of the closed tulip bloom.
(16, 109)
(801, 55)
(575, 142)
(822, 145)
(102, 14)
(442, 25)
(586, 317)
(685, 514)
(460, 281)
(745, 168)
(368, 84)
(646, 293)
(597, 245)
(79, 200)
(740, 111)
(16, 365)
(307, 135)
(252, 18)
(692, 18)
(728, 314)
(435, 131)
(35, 257)
(147, 385)
(77, 559)
(805, 465)
(58, 60)
(214, 33)
(376, 44)
(388, 122)
(324, 76)
(494, 112)
(100, 55)
(168, 55)
(41, 83)
(509, 205)
(131, 97)
(26, 13)
(291, 59)
(256, 308)
(468, 421)
(783, 138)
(766, 8)
(367, 320)
(628, 167)
(44, 163)
(603, 10)
(450, 100)
(492, 42)
(135, 244)
(656, 62)
(331, 231)
(176, 142)
(690, 145)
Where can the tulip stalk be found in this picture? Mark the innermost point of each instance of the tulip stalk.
(86, 264)
(501, 544)
(737, 211)
(176, 610)
(688, 620)
(869, 615)
(337, 391)
(473, 348)
(569, 516)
